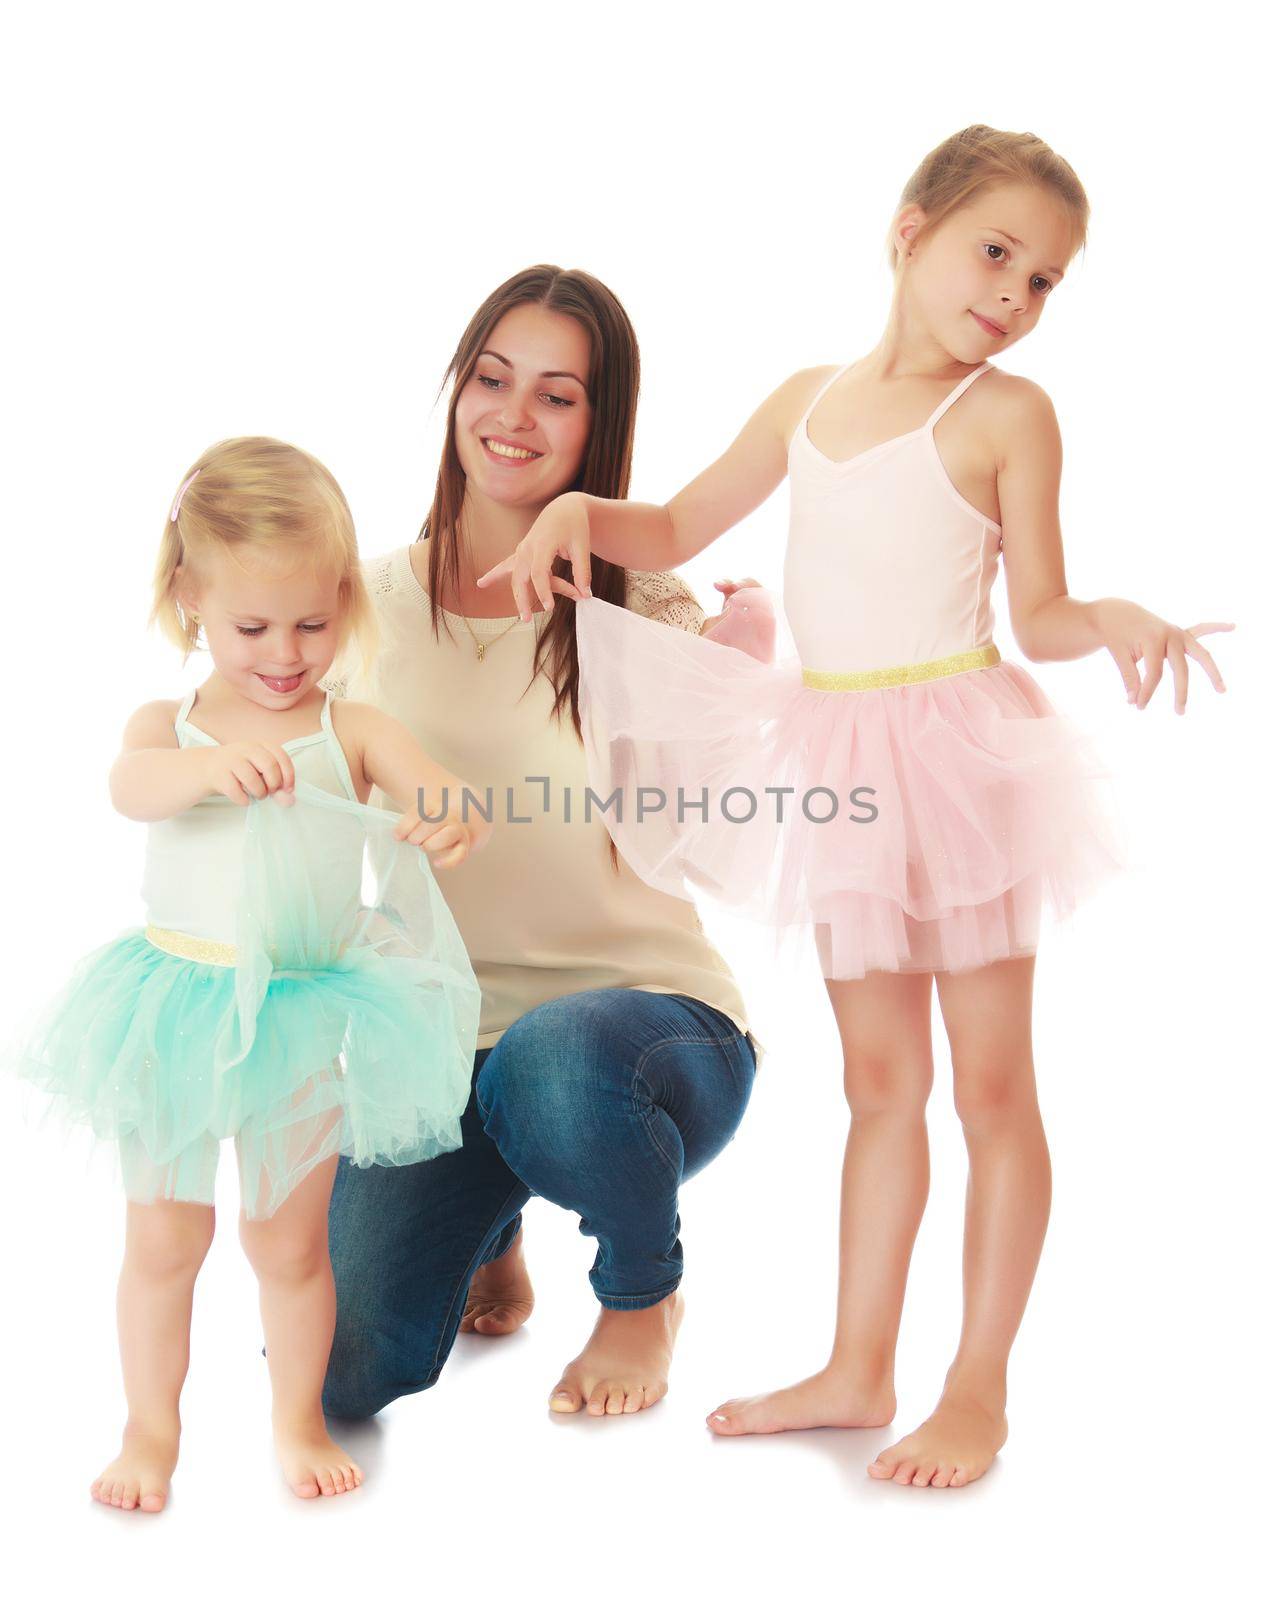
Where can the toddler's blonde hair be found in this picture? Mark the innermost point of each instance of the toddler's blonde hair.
(259, 498)
(978, 158)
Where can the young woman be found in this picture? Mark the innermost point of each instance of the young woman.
(613, 1057)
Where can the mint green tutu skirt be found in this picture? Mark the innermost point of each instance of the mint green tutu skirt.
(343, 1020)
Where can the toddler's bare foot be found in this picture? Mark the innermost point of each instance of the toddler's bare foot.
(830, 1399)
(312, 1461)
(625, 1365)
(140, 1476)
(954, 1446)
(500, 1298)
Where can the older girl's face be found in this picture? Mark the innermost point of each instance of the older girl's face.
(523, 417)
(981, 280)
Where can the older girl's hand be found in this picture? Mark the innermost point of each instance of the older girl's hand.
(1132, 634)
(561, 529)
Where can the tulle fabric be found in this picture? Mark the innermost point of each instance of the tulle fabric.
(348, 1024)
(989, 805)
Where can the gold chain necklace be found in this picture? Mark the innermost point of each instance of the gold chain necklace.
(479, 646)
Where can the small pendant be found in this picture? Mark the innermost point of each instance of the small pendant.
(479, 649)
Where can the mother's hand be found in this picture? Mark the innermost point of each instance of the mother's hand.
(562, 529)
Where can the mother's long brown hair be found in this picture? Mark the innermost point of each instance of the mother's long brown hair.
(613, 388)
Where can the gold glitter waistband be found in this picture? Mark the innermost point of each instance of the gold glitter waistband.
(212, 951)
(915, 672)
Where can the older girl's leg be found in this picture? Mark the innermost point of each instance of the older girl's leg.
(988, 1017)
(288, 1251)
(165, 1243)
(884, 1022)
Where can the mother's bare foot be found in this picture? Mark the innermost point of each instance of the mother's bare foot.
(140, 1476)
(313, 1463)
(954, 1446)
(830, 1399)
(500, 1297)
(625, 1365)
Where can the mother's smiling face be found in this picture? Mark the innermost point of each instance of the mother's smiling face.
(523, 416)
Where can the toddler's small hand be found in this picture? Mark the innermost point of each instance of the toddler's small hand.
(247, 771)
(446, 843)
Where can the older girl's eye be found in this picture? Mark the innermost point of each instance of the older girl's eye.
(251, 633)
(1048, 285)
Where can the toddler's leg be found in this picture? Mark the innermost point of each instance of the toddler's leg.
(987, 1014)
(165, 1243)
(288, 1251)
(884, 1021)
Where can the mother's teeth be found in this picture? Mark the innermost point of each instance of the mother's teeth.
(510, 450)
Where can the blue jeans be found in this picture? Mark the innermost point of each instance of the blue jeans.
(602, 1102)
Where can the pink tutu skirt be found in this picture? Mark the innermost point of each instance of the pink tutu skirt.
(914, 828)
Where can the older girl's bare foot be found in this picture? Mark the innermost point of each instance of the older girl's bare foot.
(954, 1446)
(313, 1463)
(500, 1298)
(832, 1398)
(624, 1367)
(139, 1478)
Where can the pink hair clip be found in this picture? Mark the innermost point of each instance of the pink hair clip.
(178, 499)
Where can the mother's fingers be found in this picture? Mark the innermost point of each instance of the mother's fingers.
(1211, 627)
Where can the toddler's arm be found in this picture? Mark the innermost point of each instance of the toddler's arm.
(393, 762)
(154, 778)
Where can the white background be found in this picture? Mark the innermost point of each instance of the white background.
(277, 218)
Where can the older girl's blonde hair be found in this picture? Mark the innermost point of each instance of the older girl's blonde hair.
(978, 158)
(260, 499)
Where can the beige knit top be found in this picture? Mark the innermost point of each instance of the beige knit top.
(541, 908)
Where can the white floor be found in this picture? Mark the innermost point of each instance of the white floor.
(1139, 1449)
